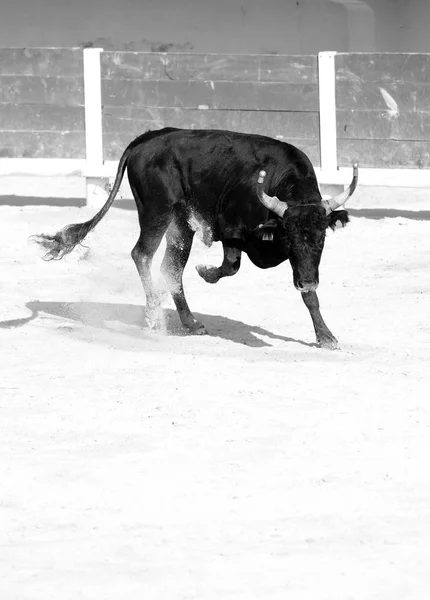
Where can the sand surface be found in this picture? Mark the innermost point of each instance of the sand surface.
(247, 464)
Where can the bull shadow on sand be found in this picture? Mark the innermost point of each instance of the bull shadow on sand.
(129, 319)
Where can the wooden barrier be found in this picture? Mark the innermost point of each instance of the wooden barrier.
(72, 112)
(41, 103)
(383, 110)
(271, 95)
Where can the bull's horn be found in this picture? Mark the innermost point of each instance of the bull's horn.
(271, 202)
(333, 203)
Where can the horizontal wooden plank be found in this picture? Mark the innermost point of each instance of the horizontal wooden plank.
(114, 144)
(384, 153)
(283, 125)
(374, 124)
(383, 68)
(395, 98)
(66, 91)
(45, 62)
(209, 67)
(219, 95)
(41, 117)
(44, 144)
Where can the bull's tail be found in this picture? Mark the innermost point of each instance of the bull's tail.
(65, 240)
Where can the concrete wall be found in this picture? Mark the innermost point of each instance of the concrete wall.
(414, 25)
(242, 26)
(401, 25)
(232, 26)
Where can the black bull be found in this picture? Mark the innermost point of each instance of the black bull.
(254, 194)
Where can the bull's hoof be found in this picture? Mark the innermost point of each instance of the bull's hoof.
(195, 328)
(155, 320)
(200, 331)
(208, 273)
(329, 343)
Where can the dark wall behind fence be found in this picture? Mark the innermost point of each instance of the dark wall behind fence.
(270, 95)
(41, 103)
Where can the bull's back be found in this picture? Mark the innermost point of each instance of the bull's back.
(205, 167)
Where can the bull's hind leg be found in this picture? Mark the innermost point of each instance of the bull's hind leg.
(230, 265)
(151, 234)
(324, 336)
(179, 238)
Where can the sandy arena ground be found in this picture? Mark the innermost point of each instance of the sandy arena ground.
(247, 464)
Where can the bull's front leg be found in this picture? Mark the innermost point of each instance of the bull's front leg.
(324, 336)
(230, 265)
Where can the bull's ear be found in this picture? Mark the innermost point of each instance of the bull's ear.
(266, 231)
(337, 217)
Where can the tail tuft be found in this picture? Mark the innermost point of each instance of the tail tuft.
(67, 239)
(62, 242)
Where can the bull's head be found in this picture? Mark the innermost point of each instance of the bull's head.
(305, 227)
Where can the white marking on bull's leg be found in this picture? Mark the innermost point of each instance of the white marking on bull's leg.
(155, 319)
(202, 229)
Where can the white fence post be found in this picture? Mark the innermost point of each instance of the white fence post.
(327, 106)
(96, 186)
